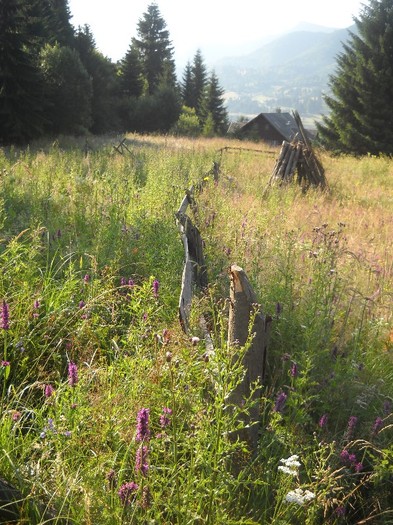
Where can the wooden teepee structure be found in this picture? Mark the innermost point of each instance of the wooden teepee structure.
(298, 157)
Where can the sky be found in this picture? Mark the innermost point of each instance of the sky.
(218, 28)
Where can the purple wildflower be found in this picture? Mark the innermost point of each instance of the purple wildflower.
(49, 390)
(86, 278)
(387, 407)
(36, 304)
(4, 316)
(352, 459)
(359, 467)
(72, 374)
(81, 304)
(352, 422)
(156, 286)
(294, 370)
(323, 421)
(142, 425)
(16, 416)
(4, 364)
(123, 281)
(127, 492)
(280, 402)
(378, 424)
(340, 510)
(111, 478)
(164, 419)
(141, 464)
(131, 283)
(344, 456)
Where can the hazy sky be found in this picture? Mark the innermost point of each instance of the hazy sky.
(218, 27)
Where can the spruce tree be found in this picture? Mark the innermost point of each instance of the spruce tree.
(131, 74)
(154, 49)
(213, 107)
(186, 87)
(199, 82)
(104, 82)
(361, 100)
(21, 100)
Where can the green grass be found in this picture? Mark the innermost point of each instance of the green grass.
(83, 238)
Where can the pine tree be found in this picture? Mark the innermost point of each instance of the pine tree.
(104, 82)
(131, 74)
(60, 28)
(21, 100)
(199, 83)
(186, 87)
(154, 49)
(213, 106)
(361, 102)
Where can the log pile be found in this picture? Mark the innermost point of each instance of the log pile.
(298, 157)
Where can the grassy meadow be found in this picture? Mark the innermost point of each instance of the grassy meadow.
(110, 414)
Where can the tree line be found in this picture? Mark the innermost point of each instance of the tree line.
(54, 80)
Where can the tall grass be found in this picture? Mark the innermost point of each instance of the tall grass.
(91, 268)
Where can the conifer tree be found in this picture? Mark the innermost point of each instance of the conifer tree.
(21, 100)
(213, 107)
(199, 82)
(154, 49)
(186, 87)
(361, 101)
(104, 81)
(131, 74)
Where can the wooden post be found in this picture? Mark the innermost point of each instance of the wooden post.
(243, 305)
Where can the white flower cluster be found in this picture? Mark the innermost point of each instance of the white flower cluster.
(299, 496)
(290, 466)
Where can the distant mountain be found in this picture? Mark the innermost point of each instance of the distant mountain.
(290, 72)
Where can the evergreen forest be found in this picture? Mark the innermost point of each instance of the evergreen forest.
(54, 80)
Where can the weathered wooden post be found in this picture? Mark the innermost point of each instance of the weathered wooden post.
(244, 308)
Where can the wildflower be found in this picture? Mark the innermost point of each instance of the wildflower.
(340, 510)
(378, 424)
(299, 496)
(111, 478)
(323, 421)
(344, 456)
(67, 433)
(352, 422)
(287, 470)
(156, 286)
(164, 419)
(359, 467)
(72, 374)
(81, 304)
(141, 464)
(86, 278)
(16, 416)
(49, 390)
(43, 435)
(4, 316)
(142, 426)
(127, 492)
(280, 402)
(294, 370)
(387, 407)
(4, 364)
(146, 498)
(131, 283)
(123, 281)
(36, 304)
(290, 465)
